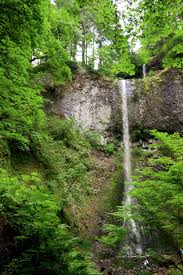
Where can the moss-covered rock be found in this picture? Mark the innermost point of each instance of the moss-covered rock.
(157, 102)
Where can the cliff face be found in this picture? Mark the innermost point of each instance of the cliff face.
(157, 102)
(94, 102)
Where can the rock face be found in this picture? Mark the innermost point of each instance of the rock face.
(157, 102)
(153, 102)
(94, 102)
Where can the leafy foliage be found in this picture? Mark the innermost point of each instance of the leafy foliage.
(115, 234)
(96, 28)
(20, 103)
(37, 45)
(158, 25)
(38, 42)
(159, 186)
(64, 152)
(42, 244)
(114, 51)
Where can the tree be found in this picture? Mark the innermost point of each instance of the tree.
(158, 25)
(101, 33)
(22, 25)
(113, 48)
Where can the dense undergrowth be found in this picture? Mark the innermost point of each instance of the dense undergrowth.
(41, 191)
(158, 187)
(31, 217)
(38, 241)
(157, 179)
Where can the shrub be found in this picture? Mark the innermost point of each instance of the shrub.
(66, 130)
(42, 244)
(110, 148)
(159, 186)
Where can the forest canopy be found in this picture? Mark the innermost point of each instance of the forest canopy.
(158, 26)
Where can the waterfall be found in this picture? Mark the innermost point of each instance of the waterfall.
(135, 245)
(126, 136)
(144, 70)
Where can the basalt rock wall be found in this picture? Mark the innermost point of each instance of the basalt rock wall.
(95, 102)
(157, 102)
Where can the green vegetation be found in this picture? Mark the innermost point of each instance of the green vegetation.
(46, 162)
(140, 133)
(39, 242)
(115, 234)
(34, 208)
(20, 106)
(41, 190)
(49, 35)
(158, 189)
(161, 32)
(157, 24)
(159, 186)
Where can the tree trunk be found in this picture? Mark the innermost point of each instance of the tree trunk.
(74, 51)
(83, 43)
(86, 53)
(100, 46)
(93, 54)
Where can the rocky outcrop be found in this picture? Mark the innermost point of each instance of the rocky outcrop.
(95, 102)
(157, 102)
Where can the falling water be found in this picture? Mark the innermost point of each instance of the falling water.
(134, 234)
(126, 137)
(144, 70)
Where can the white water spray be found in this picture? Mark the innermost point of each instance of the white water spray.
(135, 245)
(144, 70)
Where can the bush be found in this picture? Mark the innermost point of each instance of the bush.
(159, 186)
(66, 130)
(64, 152)
(140, 133)
(115, 234)
(137, 152)
(110, 148)
(95, 139)
(41, 243)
